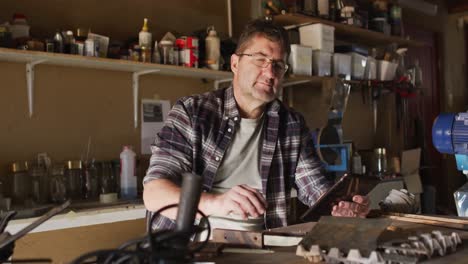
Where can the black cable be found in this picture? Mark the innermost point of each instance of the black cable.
(132, 242)
(149, 227)
(125, 245)
(144, 246)
(103, 253)
(204, 243)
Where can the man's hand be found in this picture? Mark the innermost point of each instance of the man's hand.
(241, 200)
(359, 207)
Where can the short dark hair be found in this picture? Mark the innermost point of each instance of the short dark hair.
(263, 28)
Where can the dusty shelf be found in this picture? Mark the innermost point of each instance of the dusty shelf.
(348, 33)
(26, 56)
(34, 58)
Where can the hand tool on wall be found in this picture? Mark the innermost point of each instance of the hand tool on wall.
(376, 93)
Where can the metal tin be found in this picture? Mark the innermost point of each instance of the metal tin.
(145, 54)
(80, 48)
(188, 51)
(50, 45)
(180, 44)
(19, 166)
(74, 164)
(380, 161)
(191, 52)
(380, 151)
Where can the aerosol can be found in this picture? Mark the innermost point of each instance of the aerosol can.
(212, 44)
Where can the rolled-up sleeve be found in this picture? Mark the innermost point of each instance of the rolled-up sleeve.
(309, 178)
(172, 152)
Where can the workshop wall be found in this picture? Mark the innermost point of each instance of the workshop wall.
(64, 245)
(73, 104)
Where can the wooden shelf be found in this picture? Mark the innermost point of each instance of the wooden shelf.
(34, 58)
(312, 79)
(47, 58)
(348, 33)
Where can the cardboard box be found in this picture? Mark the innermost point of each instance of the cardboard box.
(410, 160)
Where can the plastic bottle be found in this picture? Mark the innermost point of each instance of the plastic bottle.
(145, 37)
(212, 44)
(59, 42)
(128, 179)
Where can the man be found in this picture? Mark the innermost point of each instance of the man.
(249, 148)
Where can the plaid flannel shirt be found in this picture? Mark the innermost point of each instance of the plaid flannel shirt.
(199, 130)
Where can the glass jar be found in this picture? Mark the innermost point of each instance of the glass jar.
(91, 181)
(115, 176)
(39, 182)
(74, 180)
(166, 47)
(107, 178)
(57, 187)
(380, 162)
(20, 183)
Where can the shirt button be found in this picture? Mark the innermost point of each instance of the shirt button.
(229, 130)
(217, 158)
(226, 118)
(235, 118)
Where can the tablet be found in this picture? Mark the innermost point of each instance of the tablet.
(342, 190)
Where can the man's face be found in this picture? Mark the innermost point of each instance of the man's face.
(256, 82)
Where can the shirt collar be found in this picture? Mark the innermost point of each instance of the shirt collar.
(231, 110)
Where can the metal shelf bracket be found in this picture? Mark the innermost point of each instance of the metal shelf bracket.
(135, 85)
(217, 82)
(30, 83)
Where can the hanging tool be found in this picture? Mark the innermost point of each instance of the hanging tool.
(376, 93)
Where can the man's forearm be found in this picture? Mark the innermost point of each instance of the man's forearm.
(161, 192)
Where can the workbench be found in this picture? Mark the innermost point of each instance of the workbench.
(80, 229)
(288, 254)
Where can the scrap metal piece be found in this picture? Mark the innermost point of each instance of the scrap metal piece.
(337, 232)
(403, 251)
(313, 255)
(376, 258)
(442, 241)
(456, 238)
(334, 256)
(427, 239)
(397, 258)
(418, 244)
(247, 239)
(354, 257)
(425, 245)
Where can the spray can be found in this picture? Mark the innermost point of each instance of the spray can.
(212, 45)
(145, 37)
(128, 179)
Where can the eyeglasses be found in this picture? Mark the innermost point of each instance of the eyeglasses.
(279, 66)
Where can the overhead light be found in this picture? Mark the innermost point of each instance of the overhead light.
(421, 6)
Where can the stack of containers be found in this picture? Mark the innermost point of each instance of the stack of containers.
(300, 60)
(321, 38)
(342, 65)
(358, 65)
